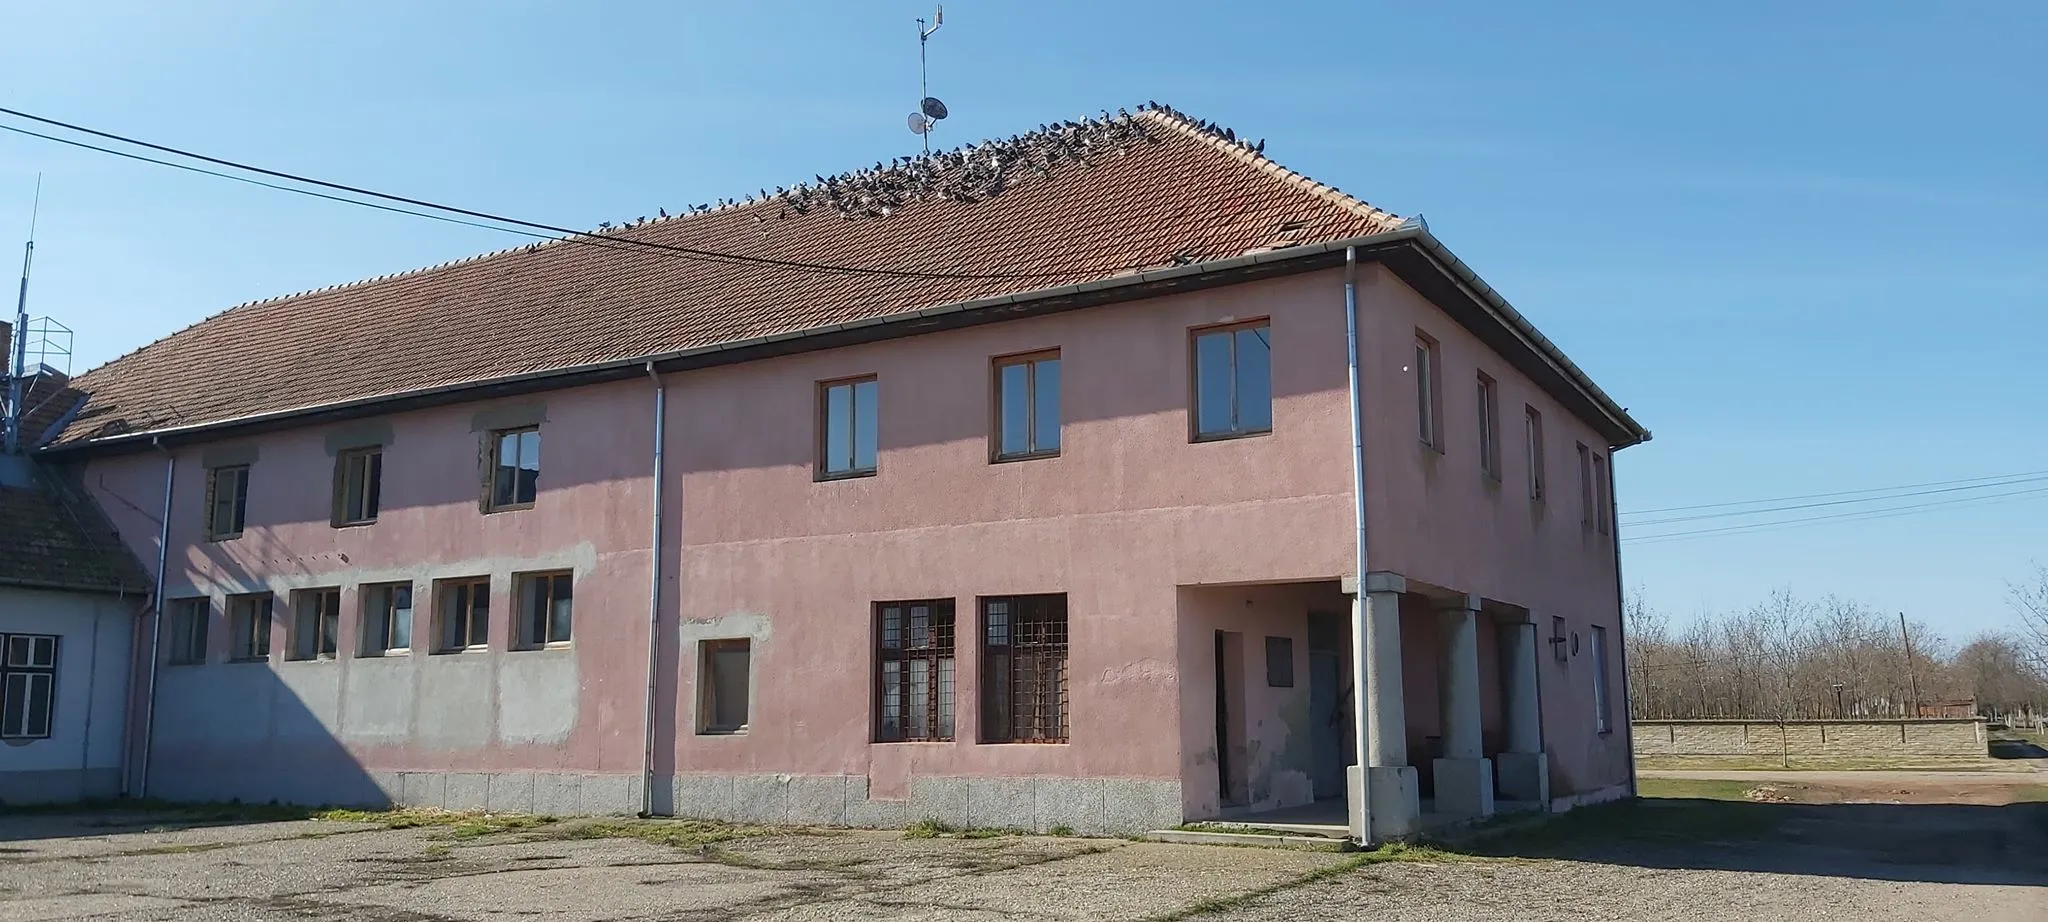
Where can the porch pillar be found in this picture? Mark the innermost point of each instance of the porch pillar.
(1384, 783)
(1464, 777)
(1524, 769)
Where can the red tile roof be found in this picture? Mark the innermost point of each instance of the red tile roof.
(1070, 203)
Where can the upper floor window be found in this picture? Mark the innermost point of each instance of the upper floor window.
(1601, 521)
(1603, 706)
(847, 431)
(1532, 432)
(1024, 669)
(1489, 426)
(227, 501)
(358, 485)
(515, 467)
(1428, 407)
(914, 650)
(1233, 380)
(28, 685)
(463, 614)
(316, 624)
(249, 626)
(188, 618)
(544, 608)
(1586, 494)
(1027, 406)
(387, 618)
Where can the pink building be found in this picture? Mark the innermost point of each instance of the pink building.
(1029, 485)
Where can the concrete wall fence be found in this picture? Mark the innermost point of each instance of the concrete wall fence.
(1930, 738)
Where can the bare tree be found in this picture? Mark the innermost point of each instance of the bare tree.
(2030, 598)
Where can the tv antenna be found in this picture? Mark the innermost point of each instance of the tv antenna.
(17, 345)
(929, 108)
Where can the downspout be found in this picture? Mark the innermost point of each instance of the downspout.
(156, 623)
(653, 601)
(1358, 660)
(1628, 726)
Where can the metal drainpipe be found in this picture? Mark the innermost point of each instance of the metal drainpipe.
(1358, 651)
(1628, 728)
(156, 622)
(653, 601)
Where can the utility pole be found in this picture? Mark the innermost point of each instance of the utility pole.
(1912, 676)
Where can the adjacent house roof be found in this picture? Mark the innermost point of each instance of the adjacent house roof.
(51, 537)
(1099, 202)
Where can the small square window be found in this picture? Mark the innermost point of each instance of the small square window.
(1280, 662)
(387, 618)
(1027, 406)
(724, 674)
(358, 485)
(848, 428)
(316, 624)
(227, 501)
(249, 627)
(1233, 380)
(544, 609)
(462, 614)
(186, 624)
(515, 468)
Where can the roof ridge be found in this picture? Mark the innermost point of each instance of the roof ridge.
(1226, 140)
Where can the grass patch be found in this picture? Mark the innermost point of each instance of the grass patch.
(1820, 764)
(1642, 822)
(460, 824)
(1233, 901)
(1697, 789)
(1062, 831)
(1233, 828)
(992, 832)
(673, 833)
(927, 828)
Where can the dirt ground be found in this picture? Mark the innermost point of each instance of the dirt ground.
(1659, 858)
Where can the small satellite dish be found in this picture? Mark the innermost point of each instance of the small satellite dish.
(919, 124)
(932, 108)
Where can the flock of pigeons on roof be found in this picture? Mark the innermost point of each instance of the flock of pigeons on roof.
(967, 174)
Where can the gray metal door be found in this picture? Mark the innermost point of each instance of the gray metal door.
(1325, 683)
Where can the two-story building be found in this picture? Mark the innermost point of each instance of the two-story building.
(1077, 479)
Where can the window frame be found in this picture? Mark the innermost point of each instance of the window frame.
(325, 624)
(190, 622)
(1601, 521)
(1429, 403)
(941, 705)
(1532, 435)
(240, 514)
(370, 459)
(445, 630)
(495, 469)
(1001, 677)
(1603, 699)
(707, 686)
(1585, 487)
(30, 669)
(822, 460)
(1031, 362)
(521, 584)
(259, 627)
(1488, 395)
(383, 617)
(1237, 430)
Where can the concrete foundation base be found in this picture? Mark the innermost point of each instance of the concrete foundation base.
(1464, 787)
(1396, 801)
(1524, 776)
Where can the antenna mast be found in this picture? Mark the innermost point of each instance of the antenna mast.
(929, 109)
(16, 370)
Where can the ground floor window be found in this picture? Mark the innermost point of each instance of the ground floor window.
(316, 624)
(1602, 722)
(724, 672)
(1024, 669)
(249, 626)
(28, 685)
(914, 654)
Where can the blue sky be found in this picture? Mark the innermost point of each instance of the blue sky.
(1803, 242)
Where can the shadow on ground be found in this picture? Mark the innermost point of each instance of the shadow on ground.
(1937, 843)
(2017, 749)
(64, 821)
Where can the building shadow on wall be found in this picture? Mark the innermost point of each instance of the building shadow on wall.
(1933, 843)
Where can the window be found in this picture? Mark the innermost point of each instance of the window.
(387, 618)
(1233, 381)
(464, 615)
(544, 608)
(227, 501)
(1585, 487)
(358, 485)
(1027, 406)
(316, 624)
(724, 671)
(847, 430)
(188, 618)
(1428, 411)
(1489, 426)
(914, 643)
(28, 685)
(1600, 511)
(249, 627)
(1601, 704)
(1280, 662)
(1024, 669)
(1532, 426)
(515, 467)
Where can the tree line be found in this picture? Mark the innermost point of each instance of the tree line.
(1792, 658)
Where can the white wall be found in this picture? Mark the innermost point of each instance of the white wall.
(82, 757)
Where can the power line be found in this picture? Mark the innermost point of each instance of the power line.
(1836, 502)
(1859, 515)
(532, 225)
(1807, 496)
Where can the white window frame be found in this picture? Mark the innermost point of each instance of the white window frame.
(1428, 403)
(1489, 425)
(524, 586)
(316, 626)
(380, 617)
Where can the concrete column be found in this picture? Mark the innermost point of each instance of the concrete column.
(1384, 797)
(1464, 777)
(1386, 706)
(1524, 769)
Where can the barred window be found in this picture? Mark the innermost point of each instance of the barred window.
(1024, 669)
(914, 650)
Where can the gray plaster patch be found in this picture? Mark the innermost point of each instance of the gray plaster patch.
(510, 793)
(537, 696)
(706, 797)
(1009, 803)
(311, 705)
(818, 800)
(1080, 803)
(942, 799)
(466, 791)
(450, 688)
(377, 699)
(760, 798)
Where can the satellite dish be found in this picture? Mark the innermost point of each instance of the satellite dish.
(919, 124)
(932, 108)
